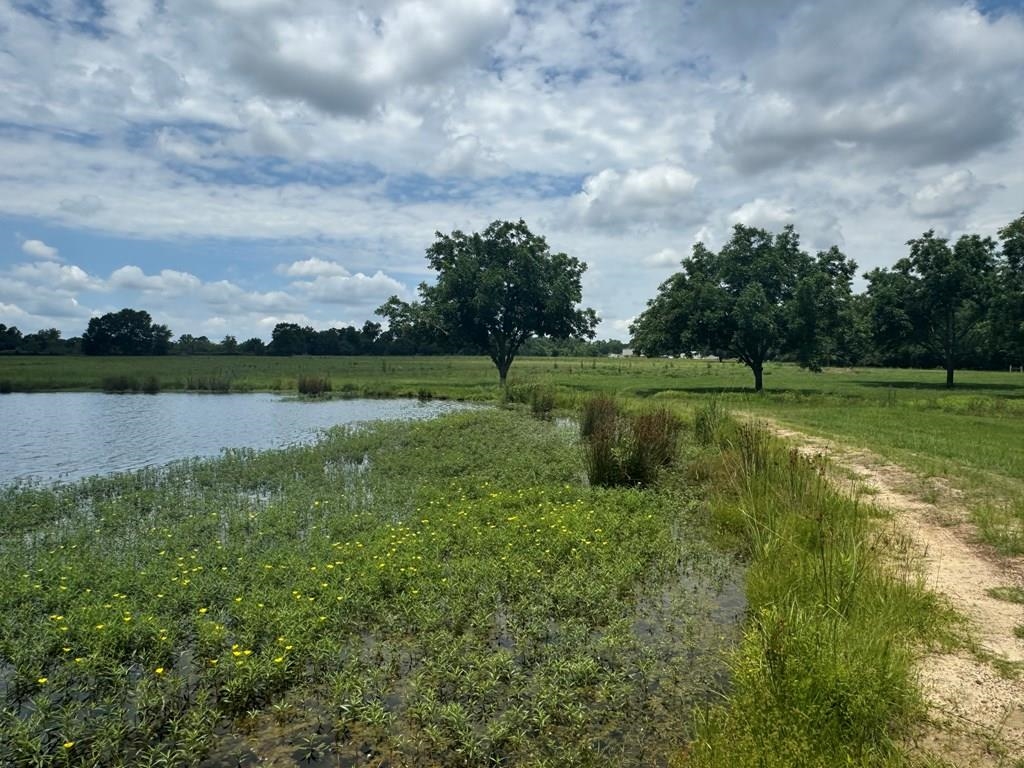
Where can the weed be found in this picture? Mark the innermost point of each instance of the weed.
(824, 673)
(1009, 594)
(625, 448)
(708, 422)
(121, 383)
(313, 385)
(462, 600)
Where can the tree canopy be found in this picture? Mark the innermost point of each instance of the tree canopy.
(759, 297)
(128, 332)
(495, 290)
(937, 298)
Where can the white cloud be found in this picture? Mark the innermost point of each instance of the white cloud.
(313, 267)
(766, 214)
(665, 258)
(65, 277)
(168, 282)
(952, 195)
(40, 250)
(614, 198)
(353, 289)
(344, 127)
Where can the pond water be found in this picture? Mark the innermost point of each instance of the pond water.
(69, 435)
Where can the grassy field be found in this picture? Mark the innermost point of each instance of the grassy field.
(454, 593)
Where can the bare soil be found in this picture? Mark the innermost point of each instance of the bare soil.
(975, 694)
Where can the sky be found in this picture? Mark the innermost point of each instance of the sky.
(227, 165)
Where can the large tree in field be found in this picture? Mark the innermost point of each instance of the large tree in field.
(758, 298)
(936, 298)
(128, 332)
(496, 289)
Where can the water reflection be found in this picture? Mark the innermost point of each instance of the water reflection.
(65, 436)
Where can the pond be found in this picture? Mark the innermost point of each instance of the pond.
(69, 435)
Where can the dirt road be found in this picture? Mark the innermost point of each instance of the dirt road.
(977, 712)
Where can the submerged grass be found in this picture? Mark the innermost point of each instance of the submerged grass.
(445, 593)
(823, 675)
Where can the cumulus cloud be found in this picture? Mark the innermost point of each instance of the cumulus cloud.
(344, 60)
(766, 214)
(614, 198)
(66, 277)
(40, 250)
(663, 259)
(952, 195)
(351, 289)
(820, 229)
(168, 282)
(341, 123)
(313, 267)
(899, 93)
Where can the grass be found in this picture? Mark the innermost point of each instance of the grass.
(824, 673)
(444, 593)
(564, 652)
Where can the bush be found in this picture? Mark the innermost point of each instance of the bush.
(120, 384)
(313, 385)
(627, 448)
(212, 383)
(542, 401)
(708, 422)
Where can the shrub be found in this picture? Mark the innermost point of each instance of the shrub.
(212, 383)
(313, 385)
(542, 401)
(627, 448)
(708, 422)
(121, 383)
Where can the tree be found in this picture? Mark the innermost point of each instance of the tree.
(935, 298)
(46, 341)
(759, 297)
(497, 289)
(1008, 307)
(10, 338)
(252, 346)
(128, 332)
(290, 339)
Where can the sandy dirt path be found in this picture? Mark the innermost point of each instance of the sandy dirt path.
(977, 713)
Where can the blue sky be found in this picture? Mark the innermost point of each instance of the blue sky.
(230, 164)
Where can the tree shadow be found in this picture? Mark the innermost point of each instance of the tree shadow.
(941, 385)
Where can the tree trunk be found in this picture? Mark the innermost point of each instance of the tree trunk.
(949, 375)
(503, 366)
(758, 369)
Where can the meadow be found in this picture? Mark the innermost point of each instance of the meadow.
(447, 593)
(456, 592)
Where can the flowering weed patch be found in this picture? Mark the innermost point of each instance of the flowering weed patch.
(444, 593)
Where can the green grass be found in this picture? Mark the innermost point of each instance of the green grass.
(1009, 594)
(541, 657)
(824, 673)
(443, 593)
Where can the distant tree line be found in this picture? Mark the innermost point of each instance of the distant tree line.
(132, 332)
(946, 304)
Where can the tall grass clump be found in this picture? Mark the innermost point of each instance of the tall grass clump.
(121, 383)
(313, 385)
(623, 448)
(213, 382)
(708, 422)
(823, 675)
